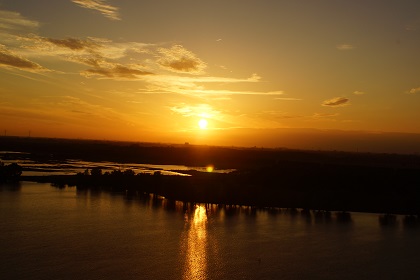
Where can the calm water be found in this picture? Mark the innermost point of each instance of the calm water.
(72, 166)
(50, 233)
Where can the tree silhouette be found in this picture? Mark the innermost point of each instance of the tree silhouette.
(10, 172)
(96, 171)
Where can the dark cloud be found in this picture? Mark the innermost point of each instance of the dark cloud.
(336, 102)
(183, 64)
(9, 59)
(73, 44)
(179, 59)
(117, 71)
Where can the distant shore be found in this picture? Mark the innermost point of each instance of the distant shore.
(327, 188)
(330, 181)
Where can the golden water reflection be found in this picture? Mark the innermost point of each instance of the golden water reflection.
(195, 244)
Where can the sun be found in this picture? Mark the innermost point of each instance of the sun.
(202, 123)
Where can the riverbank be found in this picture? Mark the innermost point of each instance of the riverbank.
(307, 186)
(319, 180)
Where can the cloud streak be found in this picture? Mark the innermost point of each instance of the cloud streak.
(336, 102)
(116, 71)
(15, 21)
(414, 90)
(324, 115)
(101, 6)
(345, 47)
(102, 58)
(8, 58)
(73, 44)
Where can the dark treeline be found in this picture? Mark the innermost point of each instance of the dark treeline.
(10, 172)
(334, 181)
(307, 186)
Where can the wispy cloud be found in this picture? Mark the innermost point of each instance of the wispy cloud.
(232, 92)
(336, 102)
(15, 21)
(358, 92)
(324, 115)
(278, 115)
(8, 58)
(101, 6)
(288, 98)
(72, 43)
(345, 47)
(199, 110)
(178, 59)
(254, 78)
(116, 71)
(102, 58)
(193, 86)
(414, 90)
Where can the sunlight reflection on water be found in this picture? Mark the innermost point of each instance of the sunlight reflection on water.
(66, 233)
(196, 244)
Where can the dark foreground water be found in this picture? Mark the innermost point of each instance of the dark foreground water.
(50, 233)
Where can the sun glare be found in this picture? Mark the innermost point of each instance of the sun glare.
(202, 123)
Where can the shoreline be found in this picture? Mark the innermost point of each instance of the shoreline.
(239, 189)
(332, 181)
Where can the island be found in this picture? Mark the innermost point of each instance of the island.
(309, 180)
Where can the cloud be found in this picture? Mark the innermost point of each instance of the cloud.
(196, 86)
(101, 6)
(358, 92)
(8, 58)
(101, 55)
(278, 115)
(209, 79)
(345, 47)
(72, 43)
(90, 48)
(199, 110)
(117, 71)
(336, 102)
(232, 92)
(324, 115)
(288, 98)
(254, 78)
(414, 90)
(178, 59)
(15, 21)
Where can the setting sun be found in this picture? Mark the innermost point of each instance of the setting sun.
(104, 78)
(203, 124)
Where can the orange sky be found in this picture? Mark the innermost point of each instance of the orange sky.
(258, 72)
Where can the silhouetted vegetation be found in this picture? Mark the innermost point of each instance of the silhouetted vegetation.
(323, 181)
(293, 186)
(10, 172)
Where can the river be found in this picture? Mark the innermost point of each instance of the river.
(52, 233)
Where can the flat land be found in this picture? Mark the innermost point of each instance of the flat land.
(319, 180)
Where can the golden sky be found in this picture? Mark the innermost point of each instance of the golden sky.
(151, 70)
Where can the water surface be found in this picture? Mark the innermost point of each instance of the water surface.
(51, 233)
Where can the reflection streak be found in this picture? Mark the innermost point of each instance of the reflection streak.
(196, 245)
